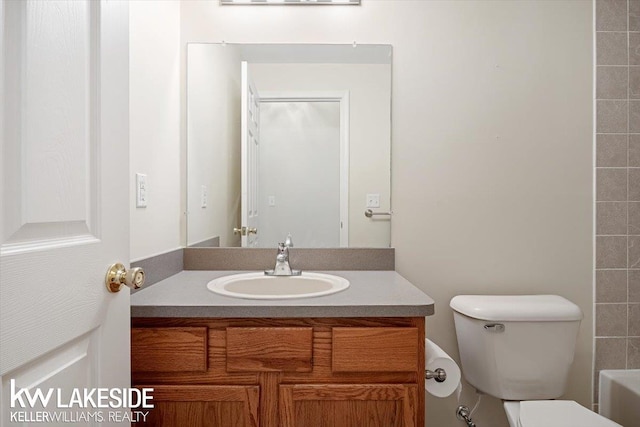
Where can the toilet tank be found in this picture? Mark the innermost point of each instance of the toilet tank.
(516, 347)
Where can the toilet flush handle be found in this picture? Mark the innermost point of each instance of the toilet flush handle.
(494, 327)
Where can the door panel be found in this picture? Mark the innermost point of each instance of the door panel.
(250, 153)
(64, 367)
(51, 140)
(64, 216)
(300, 149)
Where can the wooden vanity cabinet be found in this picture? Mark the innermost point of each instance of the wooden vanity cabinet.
(329, 372)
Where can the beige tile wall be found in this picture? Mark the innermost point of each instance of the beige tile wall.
(617, 296)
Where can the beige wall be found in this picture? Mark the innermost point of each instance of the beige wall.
(154, 84)
(491, 152)
(214, 144)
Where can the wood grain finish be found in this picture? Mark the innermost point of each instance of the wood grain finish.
(322, 334)
(206, 405)
(350, 398)
(361, 405)
(266, 322)
(182, 349)
(375, 349)
(269, 384)
(269, 349)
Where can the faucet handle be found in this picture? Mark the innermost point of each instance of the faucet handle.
(282, 267)
(288, 242)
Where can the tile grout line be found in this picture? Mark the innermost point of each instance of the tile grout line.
(594, 384)
(617, 303)
(626, 348)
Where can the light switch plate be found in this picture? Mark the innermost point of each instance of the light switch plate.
(272, 201)
(373, 200)
(203, 196)
(141, 190)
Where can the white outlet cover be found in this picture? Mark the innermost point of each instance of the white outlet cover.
(373, 200)
(141, 190)
(203, 196)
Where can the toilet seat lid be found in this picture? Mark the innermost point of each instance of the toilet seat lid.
(560, 413)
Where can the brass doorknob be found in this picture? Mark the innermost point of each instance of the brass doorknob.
(118, 275)
(244, 231)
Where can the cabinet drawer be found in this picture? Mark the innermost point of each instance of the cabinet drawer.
(375, 350)
(169, 349)
(269, 349)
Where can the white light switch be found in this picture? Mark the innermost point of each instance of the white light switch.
(373, 200)
(272, 200)
(141, 190)
(203, 196)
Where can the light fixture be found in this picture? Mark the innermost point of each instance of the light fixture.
(292, 2)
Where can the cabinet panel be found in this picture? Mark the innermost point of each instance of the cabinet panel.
(203, 406)
(169, 349)
(362, 405)
(333, 372)
(269, 349)
(375, 349)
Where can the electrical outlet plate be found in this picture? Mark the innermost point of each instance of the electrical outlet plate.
(141, 190)
(203, 196)
(373, 200)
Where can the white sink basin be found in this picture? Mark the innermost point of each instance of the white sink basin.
(260, 286)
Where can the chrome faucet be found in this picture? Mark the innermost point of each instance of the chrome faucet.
(282, 267)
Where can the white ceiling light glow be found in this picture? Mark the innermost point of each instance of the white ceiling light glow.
(290, 2)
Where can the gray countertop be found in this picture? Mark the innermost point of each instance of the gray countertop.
(371, 294)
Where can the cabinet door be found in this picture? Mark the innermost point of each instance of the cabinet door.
(342, 405)
(203, 406)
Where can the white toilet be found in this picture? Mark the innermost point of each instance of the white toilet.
(519, 349)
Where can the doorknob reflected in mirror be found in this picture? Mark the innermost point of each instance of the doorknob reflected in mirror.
(244, 231)
(118, 275)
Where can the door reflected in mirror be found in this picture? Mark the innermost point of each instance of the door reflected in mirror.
(288, 139)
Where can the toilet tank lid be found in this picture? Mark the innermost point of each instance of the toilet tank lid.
(517, 308)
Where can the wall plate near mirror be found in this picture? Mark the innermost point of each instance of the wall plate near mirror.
(288, 139)
(290, 2)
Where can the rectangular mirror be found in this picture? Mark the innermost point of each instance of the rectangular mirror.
(288, 139)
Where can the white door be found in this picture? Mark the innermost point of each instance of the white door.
(64, 216)
(281, 129)
(300, 173)
(250, 154)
